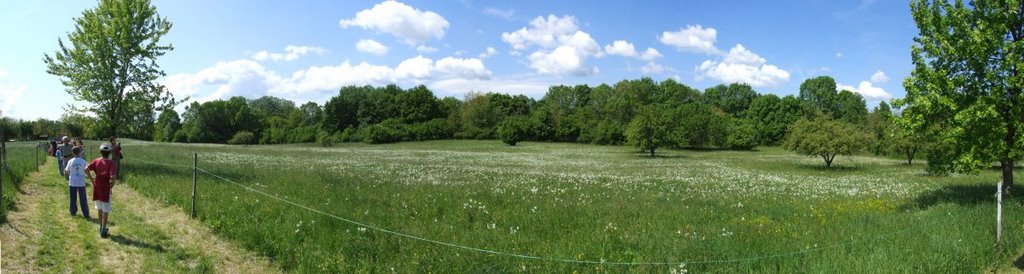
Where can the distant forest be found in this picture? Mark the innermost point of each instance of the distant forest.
(583, 114)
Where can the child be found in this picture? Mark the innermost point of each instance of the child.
(105, 180)
(76, 182)
(60, 162)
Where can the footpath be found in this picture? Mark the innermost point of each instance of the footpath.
(145, 236)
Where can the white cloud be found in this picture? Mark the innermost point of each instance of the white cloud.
(879, 77)
(866, 89)
(400, 20)
(562, 47)
(371, 46)
(621, 48)
(506, 14)
(626, 49)
(562, 60)
(251, 79)
(425, 49)
(743, 66)
(650, 54)
(543, 32)
(9, 93)
(418, 67)
(470, 68)
(692, 38)
(291, 53)
(488, 53)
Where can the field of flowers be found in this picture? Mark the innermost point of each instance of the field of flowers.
(482, 206)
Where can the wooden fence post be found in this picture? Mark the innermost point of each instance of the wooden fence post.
(195, 170)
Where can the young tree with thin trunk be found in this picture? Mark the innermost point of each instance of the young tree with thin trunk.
(826, 138)
(111, 62)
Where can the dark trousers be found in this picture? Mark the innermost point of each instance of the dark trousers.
(80, 192)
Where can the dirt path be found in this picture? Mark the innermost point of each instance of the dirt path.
(145, 236)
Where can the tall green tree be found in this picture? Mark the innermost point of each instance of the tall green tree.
(111, 62)
(650, 129)
(819, 93)
(966, 86)
(734, 99)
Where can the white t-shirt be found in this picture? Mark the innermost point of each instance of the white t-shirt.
(76, 172)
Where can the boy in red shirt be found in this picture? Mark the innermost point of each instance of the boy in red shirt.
(105, 178)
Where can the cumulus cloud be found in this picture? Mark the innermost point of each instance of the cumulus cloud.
(251, 79)
(621, 47)
(692, 38)
(868, 90)
(488, 53)
(418, 67)
(291, 53)
(879, 77)
(562, 47)
(626, 49)
(400, 20)
(9, 93)
(740, 65)
(470, 68)
(371, 46)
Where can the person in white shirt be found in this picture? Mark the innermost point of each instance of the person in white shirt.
(76, 182)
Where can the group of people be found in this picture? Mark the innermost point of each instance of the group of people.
(101, 173)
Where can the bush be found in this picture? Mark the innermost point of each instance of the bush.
(513, 130)
(742, 135)
(243, 138)
(324, 139)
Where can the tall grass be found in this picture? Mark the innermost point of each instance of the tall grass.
(715, 211)
(21, 160)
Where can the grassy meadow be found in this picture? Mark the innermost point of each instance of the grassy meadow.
(706, 211)
(20, 161)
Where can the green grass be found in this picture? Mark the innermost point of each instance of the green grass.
(582, 202)
(21, 160)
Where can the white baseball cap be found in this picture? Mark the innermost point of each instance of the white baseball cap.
(105, 147)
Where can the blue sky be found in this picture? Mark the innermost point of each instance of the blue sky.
(305, 50)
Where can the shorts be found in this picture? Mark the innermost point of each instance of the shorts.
(103, 206)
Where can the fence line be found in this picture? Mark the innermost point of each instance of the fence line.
(553, 259)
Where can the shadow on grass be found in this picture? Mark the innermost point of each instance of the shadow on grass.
(136, 243)
(956, 194)
(822, 167)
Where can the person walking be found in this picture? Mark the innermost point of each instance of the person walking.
(105, 179)
(76, 183)
(116, 154)
(65, 152)
(60, 160)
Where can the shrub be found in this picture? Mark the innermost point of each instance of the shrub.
(243, 138)
(514, 129)
(742, 135)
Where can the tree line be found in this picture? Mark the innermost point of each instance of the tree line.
(643, 113)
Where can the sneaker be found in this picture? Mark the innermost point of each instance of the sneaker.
(104, 233)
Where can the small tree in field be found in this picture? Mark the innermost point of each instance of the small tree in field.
(649, 129)
(826, 138)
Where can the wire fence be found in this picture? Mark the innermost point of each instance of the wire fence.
(850, 242)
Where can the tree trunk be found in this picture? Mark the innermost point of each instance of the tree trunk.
(910, 157)
(828, 159)
(652, 152)
(1007, 166)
